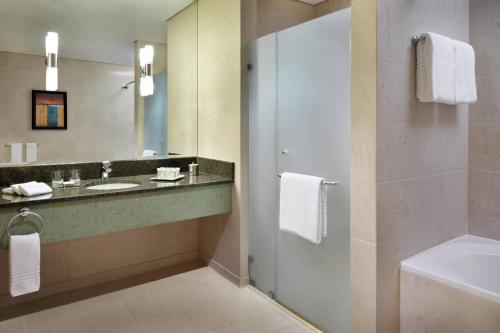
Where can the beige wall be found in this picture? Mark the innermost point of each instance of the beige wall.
(363, 263)
(100, 113)
(220, 128)
(484, 130)
(276, 15)
(330, 6)
(182, 41)
(421, 148)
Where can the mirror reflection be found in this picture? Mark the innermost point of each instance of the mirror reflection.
(97, 80)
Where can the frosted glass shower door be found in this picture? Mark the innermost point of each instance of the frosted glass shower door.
(313, 137)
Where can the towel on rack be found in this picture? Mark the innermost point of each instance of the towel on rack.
(24, 258)
(445, 70)
(303, 208)
(31, 152)
(16, 152)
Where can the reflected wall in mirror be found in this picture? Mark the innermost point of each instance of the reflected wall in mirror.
(99, 69)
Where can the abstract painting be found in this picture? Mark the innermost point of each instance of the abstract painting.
(49, 110)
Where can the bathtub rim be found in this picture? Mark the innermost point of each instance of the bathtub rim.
(408, 266)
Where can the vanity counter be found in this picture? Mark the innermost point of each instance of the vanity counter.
(145, 184)
(78, 212)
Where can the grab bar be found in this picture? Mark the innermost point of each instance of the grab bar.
(334, 183)
(24, 212)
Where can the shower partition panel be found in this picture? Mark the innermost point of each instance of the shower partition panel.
(301, 114)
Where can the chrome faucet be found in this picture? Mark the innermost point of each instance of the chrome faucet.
(106, 170)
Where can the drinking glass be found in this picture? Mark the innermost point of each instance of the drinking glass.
(57, 178)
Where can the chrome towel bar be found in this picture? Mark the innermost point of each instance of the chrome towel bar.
(334, 183)
(417, 38)
(24, 212)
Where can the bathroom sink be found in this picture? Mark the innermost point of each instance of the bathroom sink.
(111, 186)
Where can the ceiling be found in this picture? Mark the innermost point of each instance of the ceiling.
(97, 30)
(312, 2)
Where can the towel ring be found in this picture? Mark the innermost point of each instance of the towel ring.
(24, 212)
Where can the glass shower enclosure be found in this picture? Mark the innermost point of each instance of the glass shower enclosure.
(300, 116)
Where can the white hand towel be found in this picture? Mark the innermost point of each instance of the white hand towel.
(34, 188)
(16, 152)
(24, 264)
(31, 152)
(8, 190)
(445, 70)
(15, 187)
(465, 84)
(303, 206)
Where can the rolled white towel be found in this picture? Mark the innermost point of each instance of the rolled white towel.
(15, 187)
(8, 190)
(34, 188)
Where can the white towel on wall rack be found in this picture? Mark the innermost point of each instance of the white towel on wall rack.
(445, 70)
(303, 209)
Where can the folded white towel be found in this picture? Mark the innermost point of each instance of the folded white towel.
(445, 70)
(8, 190)
(16, 152)
(24, 264)
(465, 83)
(34, 188)
(31, 152)
(303, 206)
(15, 188)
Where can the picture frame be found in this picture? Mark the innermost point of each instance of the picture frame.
(49, 110)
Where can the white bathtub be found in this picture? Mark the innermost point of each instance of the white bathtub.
(453, 287)
(469, 263)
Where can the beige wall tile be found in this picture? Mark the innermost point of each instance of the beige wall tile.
(487, 109)
(484, 14)
(484, 227)
(487, 50)
(363, 319)
(363, 271)
(363, 211)
(484, 194)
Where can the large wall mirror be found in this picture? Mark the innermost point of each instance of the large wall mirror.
(97, 80)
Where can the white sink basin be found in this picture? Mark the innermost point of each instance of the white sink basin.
(111, 186)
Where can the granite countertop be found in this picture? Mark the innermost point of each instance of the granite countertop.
(144, 181)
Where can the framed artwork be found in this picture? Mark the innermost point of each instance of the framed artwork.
(49, 110)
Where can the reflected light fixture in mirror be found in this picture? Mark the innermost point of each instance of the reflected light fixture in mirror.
(51, 49)
(146, 55)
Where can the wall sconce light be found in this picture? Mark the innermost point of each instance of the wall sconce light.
(51, 50)
(146, 55)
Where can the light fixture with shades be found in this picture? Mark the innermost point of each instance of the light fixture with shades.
(146, 55)
(51, 50)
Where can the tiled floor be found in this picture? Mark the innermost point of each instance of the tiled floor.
(196, 301)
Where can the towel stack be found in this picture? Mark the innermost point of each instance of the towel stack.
(445, 70)
(29, 189)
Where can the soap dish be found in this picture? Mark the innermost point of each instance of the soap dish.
(168, 179)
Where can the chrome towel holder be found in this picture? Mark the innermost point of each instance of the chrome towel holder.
(417, 38)
(24, 212)
(334, 183)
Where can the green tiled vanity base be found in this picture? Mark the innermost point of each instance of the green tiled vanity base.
(89, 217)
